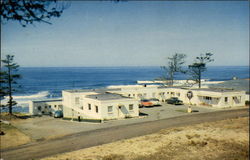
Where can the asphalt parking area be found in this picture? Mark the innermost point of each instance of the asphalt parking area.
(169, 110)
(46, 127)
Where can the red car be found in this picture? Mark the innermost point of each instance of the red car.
(146, 103)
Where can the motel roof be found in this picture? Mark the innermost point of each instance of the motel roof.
(211, 89)
(239, 84)
(100, 90)
(216, 89)
(48, 100)
(107, 96)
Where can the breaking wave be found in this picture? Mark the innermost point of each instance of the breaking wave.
(37, 95)
(22, 100)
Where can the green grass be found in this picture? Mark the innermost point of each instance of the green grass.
(6, 127)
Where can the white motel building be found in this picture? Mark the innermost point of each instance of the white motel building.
(123, 101)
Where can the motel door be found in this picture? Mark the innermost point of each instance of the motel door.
(46, 111)
(120, 111)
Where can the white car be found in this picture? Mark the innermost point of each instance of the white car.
(155, 101)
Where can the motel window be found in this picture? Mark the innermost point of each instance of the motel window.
(144, 94)
(49, 106)
(60, 106)
(77, 100)
(45, 107)
(81, 107)
(54, 106)
(134, 95)
(208, 98)
(129, 95)
(178, 94)
(96, 109)
(110, 108)
(226, 99)
(162, 93)
(89, 105)
(39, 108)
(237, 99)
(131, 107)
(167, 92)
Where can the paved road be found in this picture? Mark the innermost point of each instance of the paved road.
(106, 135)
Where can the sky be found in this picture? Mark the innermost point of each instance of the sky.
(138, 33)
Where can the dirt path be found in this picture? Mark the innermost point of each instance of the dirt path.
(107, 135)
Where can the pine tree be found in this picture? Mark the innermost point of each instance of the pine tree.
(28, 12)
(174, 66)
(9, 80)
(199, 66)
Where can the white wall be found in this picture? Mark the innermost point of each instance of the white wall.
(70, 102)
(81, 108)
(91, 113)
(84, 112)
(44, 107)
(120, 108)
(217, 98)
(140, 92)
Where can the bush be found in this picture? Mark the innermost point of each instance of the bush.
(247, 103)
(114, 157)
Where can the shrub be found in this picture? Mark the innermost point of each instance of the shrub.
(114, 157)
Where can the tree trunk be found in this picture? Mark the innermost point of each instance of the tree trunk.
(199, 77)
(10, 90)
(172, 79)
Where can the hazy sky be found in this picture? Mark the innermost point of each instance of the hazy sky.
(141, 33)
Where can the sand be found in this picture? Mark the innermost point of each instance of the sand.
(226, 139)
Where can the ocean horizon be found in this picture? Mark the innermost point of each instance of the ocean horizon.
(48, 82)
(37, 79)
(119, 66)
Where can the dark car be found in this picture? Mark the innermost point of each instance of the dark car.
(174, 100)
(58, 114)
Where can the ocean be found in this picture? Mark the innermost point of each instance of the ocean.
(48, 82)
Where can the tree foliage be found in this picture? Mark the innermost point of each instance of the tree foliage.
(9, 79)
(29, 11)
(2, 81)
(174, 66)
(199, 66)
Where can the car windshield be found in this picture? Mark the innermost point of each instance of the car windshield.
(145, 100)
(58, 112)
(154, 99)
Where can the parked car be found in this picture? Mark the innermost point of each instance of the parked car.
(174, 100)
(146, 103)
(58, 114)
(149, 102)
(155, 101)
